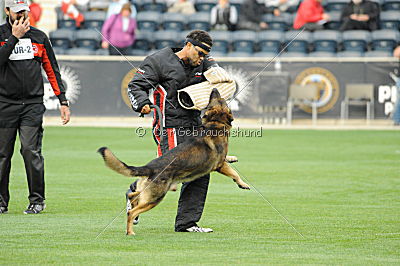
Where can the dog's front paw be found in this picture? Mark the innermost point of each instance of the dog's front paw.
(231, 159)
(244, 186)
(130, 233)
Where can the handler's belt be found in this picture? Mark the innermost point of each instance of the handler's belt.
(197, 96)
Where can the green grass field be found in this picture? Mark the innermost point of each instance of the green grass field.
(340, 189)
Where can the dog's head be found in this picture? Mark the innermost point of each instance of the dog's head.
(217, 111)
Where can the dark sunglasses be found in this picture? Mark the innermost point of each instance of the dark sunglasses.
(200, 53)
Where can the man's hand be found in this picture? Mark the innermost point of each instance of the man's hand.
(146, 109)
(65, 114)
(105, 45)
(326, 17)
(363, 17)
(20, 27)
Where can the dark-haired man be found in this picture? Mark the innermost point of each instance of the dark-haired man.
(165, 72)
(24, 52)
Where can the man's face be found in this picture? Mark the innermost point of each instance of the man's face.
(16, 16)
(196, 55)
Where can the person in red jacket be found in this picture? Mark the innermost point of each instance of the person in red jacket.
(310, 15)
(35, 13)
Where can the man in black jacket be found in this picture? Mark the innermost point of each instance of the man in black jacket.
(360, 15)
(165, 72)
(24, 51)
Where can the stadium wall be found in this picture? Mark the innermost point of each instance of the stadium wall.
(96, 86)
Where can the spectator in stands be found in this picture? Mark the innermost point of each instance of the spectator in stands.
(182, 6)
(251, 16)
(279, 6)
(116, 5)
(311, 16)
(224, 16)
(73, 9)
(35, 13)
(360, 15)
(119, 31)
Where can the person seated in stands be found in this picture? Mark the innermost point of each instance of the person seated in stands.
(251, 12)
(74, 9)
(224, 16)
(184, 7)
(279, 6)
(115, 7)
(119, 31)
(35, 13)
(311, 16)
(360, 15)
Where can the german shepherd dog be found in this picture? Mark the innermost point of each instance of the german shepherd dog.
(186, 162)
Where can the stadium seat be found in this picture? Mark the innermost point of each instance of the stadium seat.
(151, 5)
(173, 21)
(204, 5)
(221, 41)
(66, 24)
(378, 54)
(218, 54)
(385, 40)
(94, 19)
(390, 20)
(80, 51)
(264, 55)
(59, 50)
(244, 41)
(87, 39)
(350, 54)
(164, 39)
(356, 40)
(391, 5)
(239, 54)
(103, 52)
(293, 54)
(322, 54)
(334, 23)
(148, 20)
(270, 41)
(281, 23)
(300, 42)
(62, 38)
(142, 41)
(137, 52)
(326, 40)
(335, 5)
(199, 21)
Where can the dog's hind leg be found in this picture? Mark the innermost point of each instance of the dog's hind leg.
(140, 208)
(229, 171)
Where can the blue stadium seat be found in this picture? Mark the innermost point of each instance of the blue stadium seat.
(204, 5)
(59, 50)
(143, 41)
(137, 52)
(335, 5)
(326, 40)
(378, 54)
(62, 38)
(334, 23)
(293, 54)
(390, 20)
(264, 55)
(385, 40)
(173, 21)
(221, 41)
(94, 19)
(63, 22)
(239, 54)
(244, 41)
(87, 39)
(199, 21)
(391, 5)
(80, 51)
(218, 54)
(270, 41)
(301, 43)
(322, 54)
(150, 5)
(276, 23)
(103, 52)
(350, 54)
(164, 39)
(148, 20)
(356, 40)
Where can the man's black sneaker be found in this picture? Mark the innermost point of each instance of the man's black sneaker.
(35, 208)
(3, 210)
(129, 206)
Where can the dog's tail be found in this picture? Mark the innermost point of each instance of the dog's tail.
(120, 167)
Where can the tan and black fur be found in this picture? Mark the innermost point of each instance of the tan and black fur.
(186, 162)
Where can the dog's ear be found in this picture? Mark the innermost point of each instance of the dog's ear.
(215, 94)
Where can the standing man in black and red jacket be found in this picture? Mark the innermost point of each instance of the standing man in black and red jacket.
(24, 51)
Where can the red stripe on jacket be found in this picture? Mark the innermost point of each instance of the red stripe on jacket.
(51, 76)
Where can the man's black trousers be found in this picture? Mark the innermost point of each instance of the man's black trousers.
(193, 194)
(26, 120)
